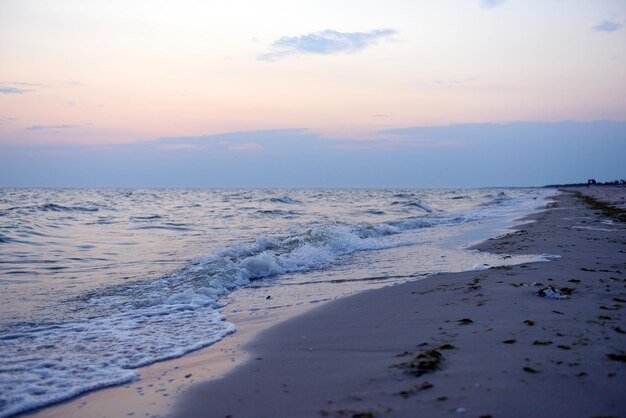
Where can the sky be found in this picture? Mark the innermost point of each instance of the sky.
(342, 93)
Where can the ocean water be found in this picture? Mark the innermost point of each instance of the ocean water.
(98, 282)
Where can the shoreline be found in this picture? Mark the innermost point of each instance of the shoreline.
(493, 346)
(163, 382)
(153, 395)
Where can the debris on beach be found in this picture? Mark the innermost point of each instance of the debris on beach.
(615, 307)
(446, 346)
(427, 361)
(617, 357)
(415, 389)
(524, 284)
(552, 292)
(364, 414)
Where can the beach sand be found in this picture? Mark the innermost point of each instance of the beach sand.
(480, 343)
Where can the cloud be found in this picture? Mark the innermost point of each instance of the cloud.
(13, 90)
(328, 42)
(492, 3)
(607, 26)
(17, 87)
(471, 155)
(5, 119)
(48, 127)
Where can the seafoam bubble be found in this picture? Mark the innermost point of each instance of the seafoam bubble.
(43, 365)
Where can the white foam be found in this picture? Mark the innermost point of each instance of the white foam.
(51, 364)
(478, 267)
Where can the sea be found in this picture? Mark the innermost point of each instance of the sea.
(96, 283)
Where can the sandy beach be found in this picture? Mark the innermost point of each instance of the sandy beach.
(482, 343)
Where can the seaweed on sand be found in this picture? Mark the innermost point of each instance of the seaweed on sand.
(606, 209)
(617, 356)
(428, 361)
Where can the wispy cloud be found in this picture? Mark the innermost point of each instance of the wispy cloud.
(13, 90)
(607, 26)
(49, 127)
(5, 119)
(17, 87)
(328, 42)
(492, 3)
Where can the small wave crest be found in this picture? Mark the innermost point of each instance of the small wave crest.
(284, 199)
(53, 207)
(496, 199)
(416, 203)
(60, 208)
(142, 218)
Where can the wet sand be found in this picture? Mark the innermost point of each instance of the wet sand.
(481, 343)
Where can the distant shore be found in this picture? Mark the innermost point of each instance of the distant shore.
(480, 343)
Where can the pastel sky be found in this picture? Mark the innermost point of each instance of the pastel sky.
(390, 93)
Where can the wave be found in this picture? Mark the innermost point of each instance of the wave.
(53, 207)
(170, 226)
(60, 208)
(145, 217)
(46, 365)
(418, 203)
(278, 212)
(285, 199)
(497, 199)
(5, 239)
(182, 309)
